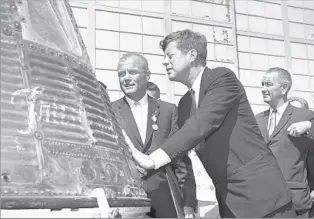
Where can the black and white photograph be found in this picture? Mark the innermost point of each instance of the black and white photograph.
(157, 108)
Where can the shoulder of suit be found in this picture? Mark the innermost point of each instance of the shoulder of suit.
(301, 111)
(216, 74)
(166, 104)
(117, 103)
(223, 70)
(261, 113)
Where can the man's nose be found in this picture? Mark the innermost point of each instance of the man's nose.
(165, 61)
(127, 76)
(264, 89)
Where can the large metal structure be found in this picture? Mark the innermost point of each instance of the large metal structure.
(59, 135)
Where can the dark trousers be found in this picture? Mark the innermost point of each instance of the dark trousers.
(286, 211)
(311, 214)
(303, 213)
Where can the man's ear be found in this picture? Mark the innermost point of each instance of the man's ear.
(193, 55)
(148, 75)
(284, 88)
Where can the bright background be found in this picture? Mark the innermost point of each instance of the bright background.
(245, 36)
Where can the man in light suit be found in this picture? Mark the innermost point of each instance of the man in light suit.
(288, 131)
(148, 122)
(248, 180)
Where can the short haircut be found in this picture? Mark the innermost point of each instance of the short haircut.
(302, 101)
(153, 87)
(283, 74)
(187, 40)
(139, 59)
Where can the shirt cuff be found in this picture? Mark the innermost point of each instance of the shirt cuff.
(160, 158)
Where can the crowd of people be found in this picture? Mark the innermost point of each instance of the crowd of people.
(211, 156)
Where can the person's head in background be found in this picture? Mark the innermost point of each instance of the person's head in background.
(276, 84)
(298, 102)
(153, 90)
(133, 75)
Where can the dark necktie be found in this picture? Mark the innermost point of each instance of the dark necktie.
(192, 113)
(193, 103)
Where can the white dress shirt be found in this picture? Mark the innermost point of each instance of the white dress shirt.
(205, 189)
(140, 110)
(279, 113)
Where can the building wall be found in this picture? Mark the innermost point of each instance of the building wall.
(245, 36)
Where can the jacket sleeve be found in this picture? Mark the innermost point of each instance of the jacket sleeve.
(310, 133)
(310, 160)
(221, 94)
(183, 170)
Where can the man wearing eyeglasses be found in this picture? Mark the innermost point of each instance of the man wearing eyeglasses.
(147, 122)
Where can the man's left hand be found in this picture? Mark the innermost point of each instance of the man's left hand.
(299, 128)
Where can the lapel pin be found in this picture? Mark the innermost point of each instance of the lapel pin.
(155, 126)
(154, 118)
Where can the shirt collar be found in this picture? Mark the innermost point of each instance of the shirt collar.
(196, 86)
(280, 110)
(142, 101)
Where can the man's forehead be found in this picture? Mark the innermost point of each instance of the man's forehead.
(269, 76)
(131, 63)
(171, 47)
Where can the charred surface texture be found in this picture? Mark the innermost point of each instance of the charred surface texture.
(59, 135)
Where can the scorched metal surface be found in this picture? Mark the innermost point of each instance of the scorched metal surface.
(59, 135)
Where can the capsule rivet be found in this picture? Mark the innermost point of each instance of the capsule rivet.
(31, 45)
(13, 8)
(38, 135)
(17, 25)
(7, 31)
(5, 177)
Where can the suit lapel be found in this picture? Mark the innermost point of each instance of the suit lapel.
(263, 125)
(153, 109)
(204, 84)
(184, 109)
(130, 124)
(283, 120)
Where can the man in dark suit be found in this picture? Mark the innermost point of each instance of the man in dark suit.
(246, 175)
(147, 123)
(153, 90)
(288, 131)
(302, 103)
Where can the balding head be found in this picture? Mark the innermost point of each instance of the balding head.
(138, 60)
